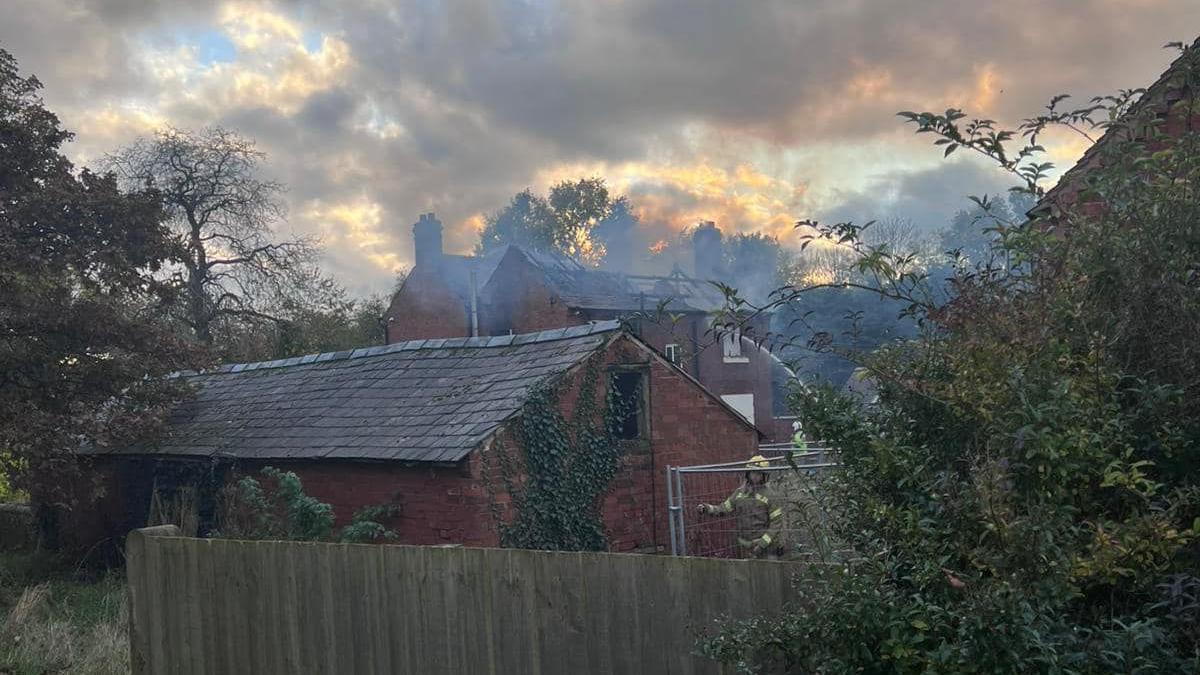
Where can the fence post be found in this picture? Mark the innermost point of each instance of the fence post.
(682, 515)
(672, 510)
(138, 596)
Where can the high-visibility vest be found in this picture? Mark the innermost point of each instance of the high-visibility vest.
(799, 442)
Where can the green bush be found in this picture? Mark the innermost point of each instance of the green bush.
(366, 527)
(8, 493)
(277, 507)
(1025, 496)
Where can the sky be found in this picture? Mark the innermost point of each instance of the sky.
(750, 114)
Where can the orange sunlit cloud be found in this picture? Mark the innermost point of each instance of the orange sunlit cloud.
(784, 119)
(357, 225)
(739, 198)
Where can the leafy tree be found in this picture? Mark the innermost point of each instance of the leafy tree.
(1025, 496)
(527, 221)
(84, 341)
(236, 271)
(578, 207)
(562, 222)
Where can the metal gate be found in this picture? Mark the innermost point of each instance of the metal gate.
(715, 536)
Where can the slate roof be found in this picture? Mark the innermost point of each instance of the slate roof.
(1157, 98)
(422, 401)
(456, 270)
(587, 288)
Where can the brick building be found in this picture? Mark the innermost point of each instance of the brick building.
(1168, 107)
(517, 290)
(419, 425)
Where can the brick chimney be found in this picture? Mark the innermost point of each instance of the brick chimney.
(427, 241)
(707, 249)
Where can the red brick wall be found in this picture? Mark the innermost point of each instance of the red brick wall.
(704, 359)
(686, 426)
(453, 504)
(426, 308)
(437, 505)
(518, 300)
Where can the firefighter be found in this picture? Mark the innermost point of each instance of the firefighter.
(798, 440)
(756, 517)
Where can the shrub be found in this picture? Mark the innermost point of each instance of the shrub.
(1025, 496)
(366, 527)
(277, 507)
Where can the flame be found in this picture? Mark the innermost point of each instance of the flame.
(659, 246)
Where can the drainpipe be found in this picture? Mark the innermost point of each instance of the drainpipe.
(474, 306)
(695, 348)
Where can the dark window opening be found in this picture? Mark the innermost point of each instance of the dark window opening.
(629, 403)
(673, 353)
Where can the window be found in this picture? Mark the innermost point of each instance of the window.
(731, 344)
(631, 403)
(673, 354)
(743, 403)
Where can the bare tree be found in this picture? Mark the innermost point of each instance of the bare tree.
(235, 270)
(828, 263)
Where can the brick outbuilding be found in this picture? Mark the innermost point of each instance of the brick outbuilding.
(419, 425)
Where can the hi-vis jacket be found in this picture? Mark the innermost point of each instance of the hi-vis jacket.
(757, 519)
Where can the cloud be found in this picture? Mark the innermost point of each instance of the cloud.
(928, 197)
(699, 109)
(355, 226)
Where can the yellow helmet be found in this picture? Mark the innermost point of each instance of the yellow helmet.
(758, 462)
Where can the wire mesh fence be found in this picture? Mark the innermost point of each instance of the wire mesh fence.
(793, 485)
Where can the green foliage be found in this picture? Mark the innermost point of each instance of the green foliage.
(277, 507)
(83, 303)
(365, 527)
(565, 467)
(56, 616)
(1025, 497)
(65, 626)
(7, 492)
(562, 222)
(335, 324)
(279, 510)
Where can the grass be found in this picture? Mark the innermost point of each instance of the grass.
(56, 619)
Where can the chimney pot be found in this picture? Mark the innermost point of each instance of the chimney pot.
(427, 241)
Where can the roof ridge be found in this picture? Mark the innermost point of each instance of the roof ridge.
(482, 342)
(1149, 97)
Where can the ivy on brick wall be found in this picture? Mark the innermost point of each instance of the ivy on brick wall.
(562, 467)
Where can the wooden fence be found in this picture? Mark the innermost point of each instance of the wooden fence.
(223, 606)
